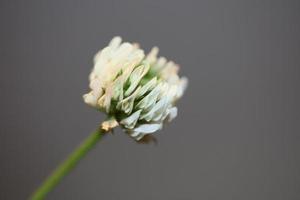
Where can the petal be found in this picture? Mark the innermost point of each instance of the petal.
(134, 133)
(148, 128)
(172, 113)
(150, 99)
(152, 56)
(109, 124)
(115, 42)
(130, 121)
(157, 109)
(136, 76)
(182, 87)
(90, 99)
(127, 104)
(118, 88)
(148, 86)
(144, 129)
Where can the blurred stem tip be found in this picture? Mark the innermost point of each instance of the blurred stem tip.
(67, 165)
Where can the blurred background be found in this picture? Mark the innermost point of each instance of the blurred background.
(237, 133)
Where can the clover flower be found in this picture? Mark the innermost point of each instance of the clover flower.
(137, 91)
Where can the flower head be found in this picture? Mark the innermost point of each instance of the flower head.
(137, 91)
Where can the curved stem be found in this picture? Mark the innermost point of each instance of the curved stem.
(67, 165)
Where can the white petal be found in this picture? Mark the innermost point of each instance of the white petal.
(130, 121)
(156, 109)
(159, 111)
(148, 86)
(134, 133)
(140, 136)
(127, 104)
(148, 128)
(136, 76)
(150, 99)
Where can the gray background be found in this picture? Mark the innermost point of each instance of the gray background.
(237, 133)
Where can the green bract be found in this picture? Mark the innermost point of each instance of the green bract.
(138, 92)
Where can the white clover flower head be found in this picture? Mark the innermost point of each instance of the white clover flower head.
(137, 92)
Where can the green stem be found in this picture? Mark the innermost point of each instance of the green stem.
(64, 168)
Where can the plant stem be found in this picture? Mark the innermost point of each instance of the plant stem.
(65, 167)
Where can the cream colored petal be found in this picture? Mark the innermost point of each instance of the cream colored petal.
(117, 86)
(109, 124)
(170, 71)
(90, 99)
(112, 46)
(160, 64)
(182, 85)
(105, 100)
(152, 56)
(115, 42)
(161, 61)
(112, 59)
(172, 113)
